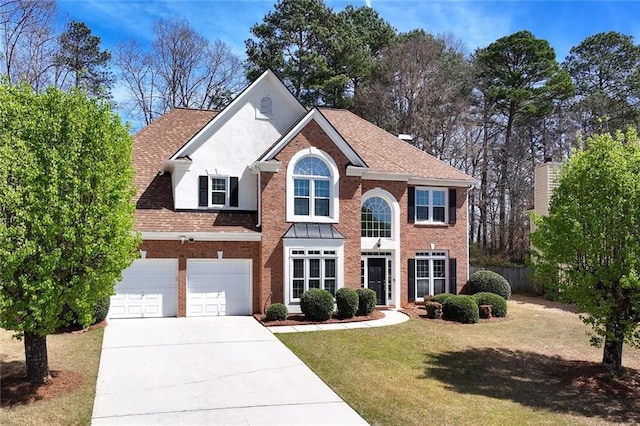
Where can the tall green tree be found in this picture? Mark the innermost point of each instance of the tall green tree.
(589, 246)
(294, 40)
(80, 55)
(605, 69)
(65, 212)
(321, 56)
(519, 76)
(361, 36)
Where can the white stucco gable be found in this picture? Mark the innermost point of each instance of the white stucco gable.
(227, 146)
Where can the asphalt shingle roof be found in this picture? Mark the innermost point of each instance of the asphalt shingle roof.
(384, 152)
(156, 143)
(154, 198)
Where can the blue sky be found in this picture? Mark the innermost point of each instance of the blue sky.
(477, 23)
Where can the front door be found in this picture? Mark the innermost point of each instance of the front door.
(376, 277)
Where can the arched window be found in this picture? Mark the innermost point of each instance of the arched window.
(376, 218)
(312, 187)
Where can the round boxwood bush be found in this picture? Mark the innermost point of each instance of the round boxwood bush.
(347, 302)
(101, 309)
(316, 304)
(277, 312)
(366, 301)
(71, 318)
(440, 298)
(489, 282)
(462, 309)
(498, 304)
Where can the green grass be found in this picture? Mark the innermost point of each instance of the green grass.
(78, 353)
(533, 367)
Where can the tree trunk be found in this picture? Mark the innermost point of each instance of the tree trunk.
(502, 183)
(35, 351)
(482, 226)
(612, 356)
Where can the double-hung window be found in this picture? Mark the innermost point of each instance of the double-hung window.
(430, 205)
(312, 269)
(312, 188)
(218, 187)
(431, 274)
(217, 191)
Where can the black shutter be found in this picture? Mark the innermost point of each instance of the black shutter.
(452, 205)
(411, 214)
(453, 279)
(412, 280)
(233, 191)
(203, 191)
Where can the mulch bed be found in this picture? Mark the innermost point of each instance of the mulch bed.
(17, 390)
(300, 319)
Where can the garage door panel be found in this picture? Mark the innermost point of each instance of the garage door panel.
(148, 289)
(218, 287)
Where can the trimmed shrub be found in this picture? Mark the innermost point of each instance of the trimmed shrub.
(498, 304)
(366, 301)
(440, 298)
(316, 304)
(101, 309)
(347, 302)
(434, 310)
(277, 312)
(489, 282)
(462, 309)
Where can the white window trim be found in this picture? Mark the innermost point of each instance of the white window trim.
(334, 196)
(307, 257)
(368, 243)
(309, 244)
(210, 191)
(430, 220)
(430, 256)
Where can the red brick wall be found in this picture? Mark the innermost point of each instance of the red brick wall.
(413, 237)
(274, 224)
(157, 249)
(419, 237)
(445, 237)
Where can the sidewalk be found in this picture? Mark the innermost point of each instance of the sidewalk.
(390, 318)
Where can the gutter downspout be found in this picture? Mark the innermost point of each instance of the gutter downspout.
(468, 254)
(259, 200)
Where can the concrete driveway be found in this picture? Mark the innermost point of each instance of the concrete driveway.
(222, 370)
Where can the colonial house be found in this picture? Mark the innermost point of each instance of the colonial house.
(266, 199)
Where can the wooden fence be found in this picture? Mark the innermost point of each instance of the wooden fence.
(517, 276)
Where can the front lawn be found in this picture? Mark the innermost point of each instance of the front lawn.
(534, 367)
(68, 398)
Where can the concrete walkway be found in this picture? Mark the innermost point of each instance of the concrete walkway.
(390, 318)
(221, 370)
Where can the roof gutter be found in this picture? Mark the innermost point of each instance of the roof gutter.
(186, 236)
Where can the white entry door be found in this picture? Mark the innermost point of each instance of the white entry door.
(218, 287)
(148, 289)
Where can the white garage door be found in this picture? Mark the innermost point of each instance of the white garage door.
(218, 287)
(148, 289)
